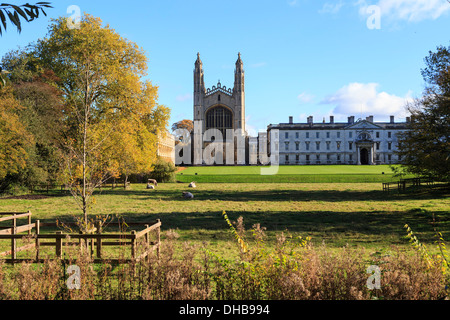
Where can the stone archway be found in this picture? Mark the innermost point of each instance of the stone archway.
(364, 156)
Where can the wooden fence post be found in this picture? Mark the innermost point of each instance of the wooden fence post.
(58, 244)
(147, 243)
(158, 238)
(99, 241)
(29, 222)
(38, 230)
(133, 245)
(13, 240)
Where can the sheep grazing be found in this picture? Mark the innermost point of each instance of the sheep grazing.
(151, 184)
(192, 185)
(188, 195)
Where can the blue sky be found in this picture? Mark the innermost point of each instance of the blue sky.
(301, 57)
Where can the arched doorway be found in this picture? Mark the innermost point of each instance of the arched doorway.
(364, 156)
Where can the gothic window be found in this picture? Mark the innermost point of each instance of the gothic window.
(317, 145)
(307, 135)
(219, 118)
(297, 146)
(317, 135)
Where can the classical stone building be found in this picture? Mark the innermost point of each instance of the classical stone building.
(166, 146)
(362, 142)
(219, 108)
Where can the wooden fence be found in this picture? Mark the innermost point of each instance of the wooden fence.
(403, 184)
(93, 242)
(39, 188)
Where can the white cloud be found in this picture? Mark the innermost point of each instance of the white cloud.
(305, 97)
(332, 8)
(363, 99)
(293, 3)
(184, 97)
(407, 10)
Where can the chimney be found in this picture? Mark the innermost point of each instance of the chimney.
(408, 119)
(392, 119)
(310, 119)
(351, 120)
(370, 119)
(291, 120)
(331, 119)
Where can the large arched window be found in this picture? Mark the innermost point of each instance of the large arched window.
(219, 118)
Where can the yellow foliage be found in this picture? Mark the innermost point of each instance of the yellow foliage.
(13, 136)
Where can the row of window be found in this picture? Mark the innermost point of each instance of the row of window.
(338, 157)
(338, 135)
(328, 145)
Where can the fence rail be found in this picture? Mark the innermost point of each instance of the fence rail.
(93, 242)
(66, 188)
(403, 184)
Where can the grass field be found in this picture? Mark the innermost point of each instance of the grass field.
(337, 214)
(289, 174)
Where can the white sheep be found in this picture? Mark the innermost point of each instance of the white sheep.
(188, 195)
(192, 185)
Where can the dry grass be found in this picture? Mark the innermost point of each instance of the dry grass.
(293, 269)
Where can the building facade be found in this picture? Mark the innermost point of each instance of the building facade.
(360, 142)
(222, 109)
(166, 146)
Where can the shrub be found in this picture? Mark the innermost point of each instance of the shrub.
(164, 171)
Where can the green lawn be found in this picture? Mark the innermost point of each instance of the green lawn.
(289, 174)
(337, 214)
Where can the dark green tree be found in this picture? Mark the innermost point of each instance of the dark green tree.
(425, 147)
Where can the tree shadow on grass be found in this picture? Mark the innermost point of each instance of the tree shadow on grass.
(372, 224)
(297, 195)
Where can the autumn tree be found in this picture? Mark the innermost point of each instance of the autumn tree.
(106, 100)
(40, 114)
(14, 139)
(425, 147)
(15, 13)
